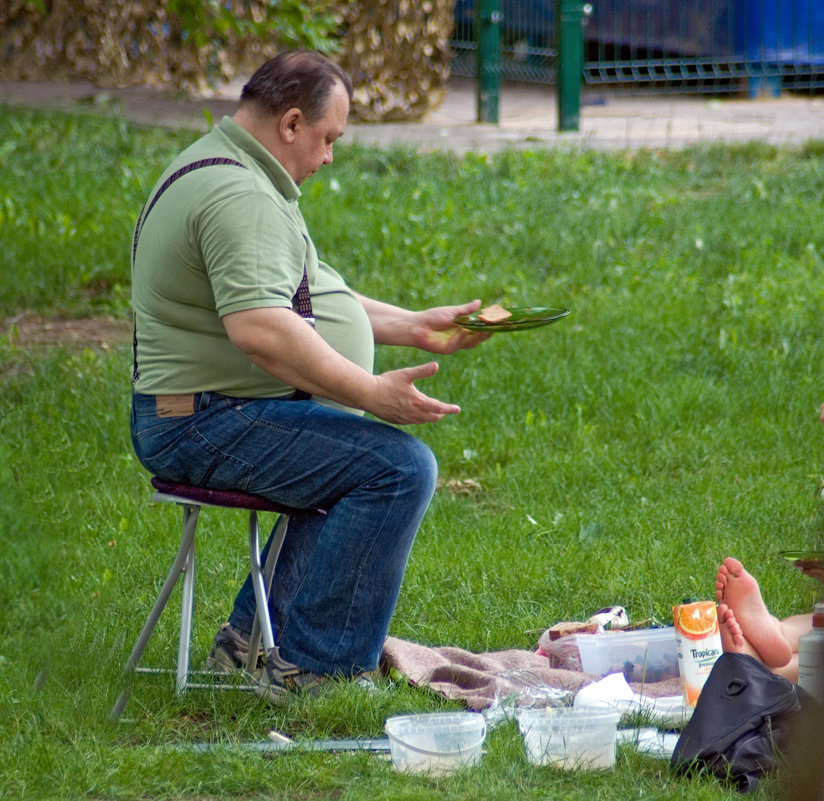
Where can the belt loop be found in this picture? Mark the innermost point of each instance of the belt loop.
(205, 400)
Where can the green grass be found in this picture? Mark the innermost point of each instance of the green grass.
(670, 421)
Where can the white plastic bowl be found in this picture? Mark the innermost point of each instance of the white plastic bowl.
(438, 742)
(570, 738)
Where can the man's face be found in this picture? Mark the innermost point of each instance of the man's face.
(312, 145)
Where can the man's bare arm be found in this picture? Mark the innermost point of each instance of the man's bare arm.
(283, 344)
(432, 330)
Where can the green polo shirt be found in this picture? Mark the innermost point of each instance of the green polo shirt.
(222, 239)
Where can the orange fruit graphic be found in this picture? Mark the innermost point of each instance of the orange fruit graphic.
(697, 620)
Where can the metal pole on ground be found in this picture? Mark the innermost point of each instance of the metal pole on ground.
(488, 32)
(571, 16)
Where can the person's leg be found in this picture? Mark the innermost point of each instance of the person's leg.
(738, 590)
(339, 575)
(790, 670)
(795, 627)
(338, 578)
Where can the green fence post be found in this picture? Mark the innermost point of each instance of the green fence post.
(488, 15)
(571, 15)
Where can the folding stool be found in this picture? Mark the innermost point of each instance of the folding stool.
(192, 499)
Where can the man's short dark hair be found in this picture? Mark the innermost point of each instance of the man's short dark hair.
(301, 79)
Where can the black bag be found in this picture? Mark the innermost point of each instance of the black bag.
(741, 722)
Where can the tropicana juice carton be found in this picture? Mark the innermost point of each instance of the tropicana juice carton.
(698, 640)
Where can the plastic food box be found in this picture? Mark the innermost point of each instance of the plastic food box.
(570, 738)
(437, 742)
(643, 655)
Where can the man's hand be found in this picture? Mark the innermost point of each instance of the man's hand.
(397, 400)
(435, 330)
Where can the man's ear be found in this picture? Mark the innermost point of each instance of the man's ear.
(290, 123)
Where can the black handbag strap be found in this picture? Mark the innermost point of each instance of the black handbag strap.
(302, 299)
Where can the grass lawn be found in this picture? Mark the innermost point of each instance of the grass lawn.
(620, 454)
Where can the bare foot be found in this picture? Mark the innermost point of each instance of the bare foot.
(732, 638)
(738, 591)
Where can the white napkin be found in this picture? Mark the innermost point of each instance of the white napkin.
(649, 741)
(613, 692)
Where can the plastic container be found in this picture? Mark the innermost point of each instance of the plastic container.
(811, 657)
(568, 738)
(642, 655)
(438, 742)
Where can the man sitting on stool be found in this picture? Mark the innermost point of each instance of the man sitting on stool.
(253, 368)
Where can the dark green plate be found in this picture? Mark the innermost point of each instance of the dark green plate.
(804, 559)
(521, 319)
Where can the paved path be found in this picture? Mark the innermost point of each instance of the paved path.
(527, 117)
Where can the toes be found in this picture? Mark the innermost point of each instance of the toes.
(732, 566)
(721, 580)
(726, 617)
(723, 612)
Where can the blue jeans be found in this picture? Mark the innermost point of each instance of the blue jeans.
(338, 575)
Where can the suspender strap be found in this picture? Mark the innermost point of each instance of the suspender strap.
(302, 304)
(144, 212)
(302, 299)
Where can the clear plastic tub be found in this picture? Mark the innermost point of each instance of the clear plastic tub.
(644, 655)
(437, 742)
(570, 738)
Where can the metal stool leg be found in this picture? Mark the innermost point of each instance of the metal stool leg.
(263, 621)
(268, 574)
(184, 553)
(187, 610)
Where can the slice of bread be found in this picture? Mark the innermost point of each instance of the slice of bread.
(494, 314)
(567, 627)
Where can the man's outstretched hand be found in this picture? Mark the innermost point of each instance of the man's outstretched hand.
(396, 399)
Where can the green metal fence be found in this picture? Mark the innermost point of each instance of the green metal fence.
(657, 46)
(527, 34)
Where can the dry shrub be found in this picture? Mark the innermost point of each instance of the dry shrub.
(397, 51)
(115, 44)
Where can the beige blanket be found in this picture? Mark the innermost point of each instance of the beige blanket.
(469, 677)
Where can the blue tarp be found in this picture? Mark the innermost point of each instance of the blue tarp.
(768, 31)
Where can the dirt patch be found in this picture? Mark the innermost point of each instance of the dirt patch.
(33, 331)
